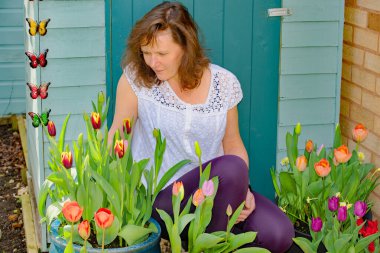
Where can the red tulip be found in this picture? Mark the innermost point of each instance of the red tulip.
(72, 211)
(198, 197)
(95, 120)
(178, 189)
(119, 148)
(322, 168)
(84, 229)
(301, 163)
(342, 154)
(51, 128)
(127, 126)
(309, 146)
(67, 159)
(103, 218)
(359, 133)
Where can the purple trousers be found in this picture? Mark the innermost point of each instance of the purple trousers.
(275, 231)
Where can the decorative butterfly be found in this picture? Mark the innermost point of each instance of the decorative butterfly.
(41, 91)
(34, 60)
(38, 119)
(35, 27)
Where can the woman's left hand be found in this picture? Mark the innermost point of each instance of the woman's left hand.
(249, 207)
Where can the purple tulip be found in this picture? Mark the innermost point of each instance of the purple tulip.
(333, 203)
(208, 188)
(316, 224)
(360, 208)
(342, 213)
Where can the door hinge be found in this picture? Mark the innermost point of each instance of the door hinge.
(279, 12)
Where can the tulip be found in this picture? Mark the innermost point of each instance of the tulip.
(178, 189)
(51, 128)
(127, 126)
(72, 211)
(208, 188)
(359, 133)
(103, 218)
(84, 229)
(316, 224)
(322, 168)
(156, 132)
(320, 149)
(67, 159)
(333, 203)
(309, 146)
(101, 97)
(119, 148)
(95, 120)
(198, 197)
(285, 161)
(371, 247)
(298, 129)
(361, 157)
(360, 208)
(342, 213)
(301, 163)
(198, 150)
(342, 154)
(229, 210)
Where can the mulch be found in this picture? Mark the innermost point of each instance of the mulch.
(12, 235)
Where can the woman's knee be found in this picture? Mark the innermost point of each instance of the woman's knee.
(231, 170)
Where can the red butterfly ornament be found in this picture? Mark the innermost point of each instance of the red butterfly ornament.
(41, 91)
(34, 60)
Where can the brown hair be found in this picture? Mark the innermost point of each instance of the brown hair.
(173, 16)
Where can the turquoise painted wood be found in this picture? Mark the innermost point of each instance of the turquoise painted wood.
(310, 73)
(12, 75)
(239, 36)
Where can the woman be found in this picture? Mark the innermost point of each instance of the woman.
(169, 83)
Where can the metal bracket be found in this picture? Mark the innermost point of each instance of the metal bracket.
(279, 12)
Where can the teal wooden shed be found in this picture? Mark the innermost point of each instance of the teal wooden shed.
(286, 54)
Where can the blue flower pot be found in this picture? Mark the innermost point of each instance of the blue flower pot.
(150, 245)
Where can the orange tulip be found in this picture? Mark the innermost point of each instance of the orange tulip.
(359, 133)
(342, 154)
(51, 128)
(103, 218)
(119, 148)
(72, 211)
(322, 168)
(309, 146)
(178, 189)
(84, 229)
(67, 159)
(198, 197)
(301, 163)
(95, 120)
(127, 126)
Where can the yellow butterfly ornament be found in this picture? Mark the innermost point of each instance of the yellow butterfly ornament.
(35, 27)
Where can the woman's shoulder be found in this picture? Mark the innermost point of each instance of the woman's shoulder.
(218, 70)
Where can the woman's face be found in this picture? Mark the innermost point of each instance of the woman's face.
(163, 56)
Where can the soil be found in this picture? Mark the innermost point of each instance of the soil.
(12, 236)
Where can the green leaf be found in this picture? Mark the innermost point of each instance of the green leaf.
(69, 246)
(252, 250)
(274, 181)
(110, 232)
(337, 137)
(184, 220)
(239, 240)
(42, 196)
(304, 244)
(289, 149)
(166, 218)
(234, 217)
(132, 233)
(342, 242)
(61, 140)
(206, 241)
(288, 184)
(364, 242)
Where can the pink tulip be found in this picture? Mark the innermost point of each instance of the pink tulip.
(359, 133)
(342, 154)
(103, 218)
(208, 188)
(301, 163)
(322, 168)
(178, 189)
(72, 211)
(198, 197)
(84, 229)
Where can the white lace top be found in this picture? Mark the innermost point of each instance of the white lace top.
(181, 123)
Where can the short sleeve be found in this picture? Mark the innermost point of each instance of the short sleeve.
(236, 94)
(130, 75)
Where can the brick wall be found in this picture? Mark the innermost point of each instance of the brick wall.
(360, 93)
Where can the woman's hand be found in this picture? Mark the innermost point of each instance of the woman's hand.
(249, 207)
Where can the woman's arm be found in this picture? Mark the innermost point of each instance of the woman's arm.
(125, 107)
(232, 142)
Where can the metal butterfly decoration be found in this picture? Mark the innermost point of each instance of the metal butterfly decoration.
(35, 27)
(37, 119)
(41, 90)
(34, 60)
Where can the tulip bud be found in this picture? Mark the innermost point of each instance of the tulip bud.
(322, 168)
(84, 229)
(208, 188)
(316, 224)
(156, 133)
(285, 161)
(360, 208)
(119, 148)
(342, 213)
(95, 120)
(198, 150)
(342, 154)
(178, 190)
(103, 218)
(101, 97)
(333, 203)
(127, 128)
(301, 163)
(51, 128)
(298, 129)
(67, 159)
(361, 157)
(229, 210)
(309, 146)
(72, 211)
(359, 133)
(198, 197)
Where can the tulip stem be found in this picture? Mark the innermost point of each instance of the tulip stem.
(104, 233)
(343, 168)
(200, 168)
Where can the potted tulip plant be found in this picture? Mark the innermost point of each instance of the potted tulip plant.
(316, 181)
(95, 194)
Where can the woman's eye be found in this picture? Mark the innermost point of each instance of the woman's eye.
(162, 54)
